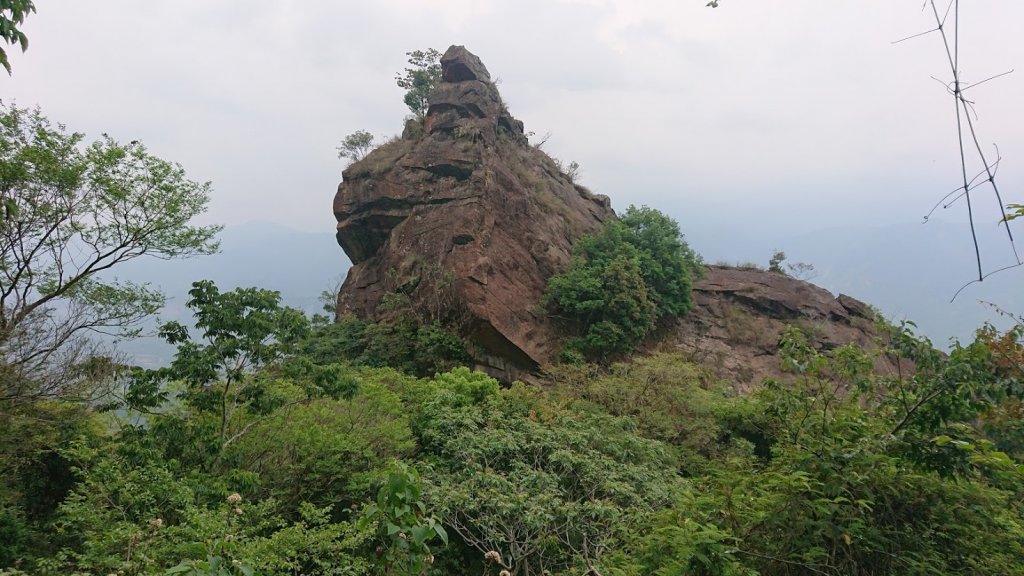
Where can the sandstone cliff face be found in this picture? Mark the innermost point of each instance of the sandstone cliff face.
(467, 220)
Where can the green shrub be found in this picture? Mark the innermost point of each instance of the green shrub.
(328, 451)
(670, 400)
(401, 341)
(514, 473)
(621, 281)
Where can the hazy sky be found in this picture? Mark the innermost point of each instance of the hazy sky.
(752, 117)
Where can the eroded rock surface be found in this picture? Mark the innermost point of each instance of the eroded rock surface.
(739, 314)
(467, 220)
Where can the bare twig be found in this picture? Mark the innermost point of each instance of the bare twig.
(967, 136)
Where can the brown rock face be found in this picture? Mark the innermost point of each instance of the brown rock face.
(465, 218)
(739, 314)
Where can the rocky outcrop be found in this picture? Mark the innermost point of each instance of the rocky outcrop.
(467, 220)
(739, 314)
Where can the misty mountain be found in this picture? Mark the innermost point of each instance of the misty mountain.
(907, 271)
(913, 272)
(298, 264)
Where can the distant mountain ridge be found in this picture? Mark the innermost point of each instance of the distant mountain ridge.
(300, 265)
(912, 271)
(893, 268)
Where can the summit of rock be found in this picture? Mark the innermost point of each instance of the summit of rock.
(466, 220)
(460, 65)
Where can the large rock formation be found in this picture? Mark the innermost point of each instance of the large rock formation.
(467, 220)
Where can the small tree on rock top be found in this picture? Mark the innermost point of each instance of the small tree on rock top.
(356, 145)
(420, 79)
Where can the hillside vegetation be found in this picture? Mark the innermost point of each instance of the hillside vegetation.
(270, 445)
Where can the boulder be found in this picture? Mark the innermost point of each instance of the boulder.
(460, 65)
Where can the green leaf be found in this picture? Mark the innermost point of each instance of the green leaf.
(184, 567)
(441, 533)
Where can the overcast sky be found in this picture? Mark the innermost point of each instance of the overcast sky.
(793, 115)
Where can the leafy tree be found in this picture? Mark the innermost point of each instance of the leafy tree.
(134, 515)
(943, 391)
(332, 341)
(1003, 422)
(35, 474)
(670, 398)
(617, 314)
(861, 465)
(356, 145)
(328, 452)
(775, 262)
(71, 213)
(108, 523)
(798, 270)
(244, 333)
(645, 467)
(621, 281)
(12, 15)
(667, 263)
(314, 545)
(403, 340)
(420, 79)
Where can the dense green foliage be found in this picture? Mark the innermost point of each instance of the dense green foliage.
(402, 341)
(636, 271)
(274, 443)
(257, 452)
